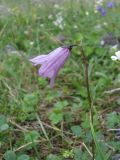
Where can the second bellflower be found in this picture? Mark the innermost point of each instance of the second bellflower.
(111, 4)
(51, 63)
(101, 10)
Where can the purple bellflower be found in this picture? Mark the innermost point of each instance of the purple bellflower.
(101, 10)
(51, 63)
(111, 4)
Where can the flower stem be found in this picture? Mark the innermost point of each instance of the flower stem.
(86, 65)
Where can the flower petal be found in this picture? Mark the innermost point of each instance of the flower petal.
(39, 59)
(56, 60)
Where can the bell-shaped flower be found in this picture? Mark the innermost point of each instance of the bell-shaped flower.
(101, 10)
(52, 63)
(111, 4)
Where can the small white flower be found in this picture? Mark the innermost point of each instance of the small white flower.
(59, 14)
(56, 6)
(55, 23)
(59, 21)
(117, 54)
(114, 58)
(26, 32)
(50, 16)
(75, 26)
(87, 13)
(99, 2)
(61, 26)
(95, 11)
(105, 23)
(31, 43)
(102, 42)
(98, 27)
(41, 25)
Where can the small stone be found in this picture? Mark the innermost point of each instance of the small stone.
(59, 38)
(116, 157)
(4, 10)
(110, 40)
(10, 50)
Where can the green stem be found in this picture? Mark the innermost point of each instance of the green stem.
(86, 65)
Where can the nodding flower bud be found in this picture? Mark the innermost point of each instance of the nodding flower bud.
(70, 46)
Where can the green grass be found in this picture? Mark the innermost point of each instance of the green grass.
(61, 130)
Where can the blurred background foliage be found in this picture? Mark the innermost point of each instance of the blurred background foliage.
(62, 131)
